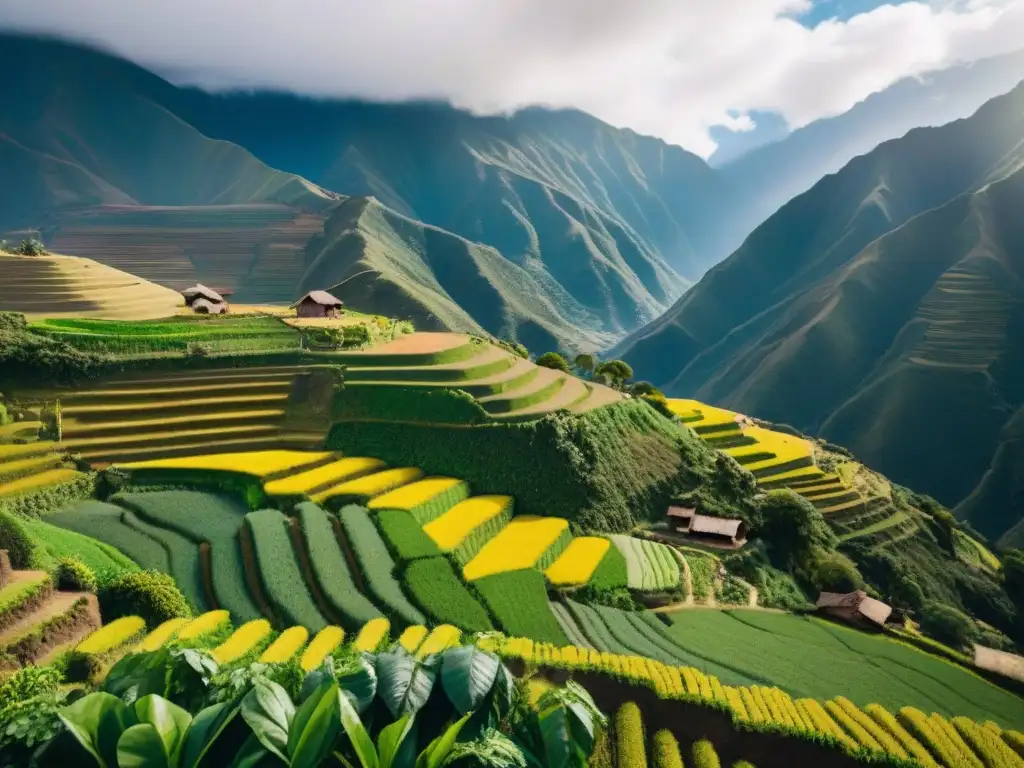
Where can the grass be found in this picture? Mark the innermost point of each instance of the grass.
(210, 518)
(816, 659)
(279, 572)
(331, 569)
(185, 562)
(519, 602)
(436, 588)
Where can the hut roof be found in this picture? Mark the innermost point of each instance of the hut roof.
(719, 526)
(212, 307)
(201, 290)
(1000, 662)
(868, 607)
(684, 512)
(322, 298)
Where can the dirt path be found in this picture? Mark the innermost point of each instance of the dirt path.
(58, 603)
(687, 579)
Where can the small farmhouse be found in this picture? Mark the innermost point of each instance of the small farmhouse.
(854, 608)
(200, 291)
(719, 530)
(206, 307)
(318, 304)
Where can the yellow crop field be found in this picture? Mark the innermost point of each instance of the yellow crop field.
(112, 635)
(372, 485)
(161, 635)
(413, 637)
(785, 447)
(325, 643)
(577, 563)
(709, 413)
(414, 494)
(242, 640)
(335, 472)
(519, 545)
(441, 638)
(372, 635)
(203, 625)
(30, 483)
(258, 463)
(286, 646)
(457, 523)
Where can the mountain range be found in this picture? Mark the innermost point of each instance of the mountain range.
(883, 309)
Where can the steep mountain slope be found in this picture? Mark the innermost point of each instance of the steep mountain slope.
(779, 171)
(883, 308)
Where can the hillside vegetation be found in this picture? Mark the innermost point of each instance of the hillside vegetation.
(899, 283)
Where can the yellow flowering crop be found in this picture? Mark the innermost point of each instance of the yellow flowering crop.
(412, 637)
(457, 523)
(325, 642)
(286, 645)
(112, 635)
(441, 638)
(576, 565)
(156, 639)
(333, 473)
(203, 625)
(258, 463)
(414, 494)
(785, 447)
(372, 635)
(519, 545)
(372, 485)
(242, 640)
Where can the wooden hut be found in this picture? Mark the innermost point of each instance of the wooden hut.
(200, 291)
(318, 304)
(720, 530)
(854, 608)
(207, 307)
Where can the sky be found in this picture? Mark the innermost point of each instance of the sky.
(682, 70)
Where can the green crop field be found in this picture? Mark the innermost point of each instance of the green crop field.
(184, 561)
(103, 558)
(649, 566)
(612, 572)
(377, 566)
(204, 517)
(436, 588)
(331, 570)
(405, 536)
(519, 602)
(282, 579)
(813, 658)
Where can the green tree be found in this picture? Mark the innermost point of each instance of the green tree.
(792, 529)
(947, 624)
(585, 364)
(834, 572)
(554, 361)
(617, 372)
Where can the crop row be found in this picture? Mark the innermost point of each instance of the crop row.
(519, 602)
(435, 587)
(578, 562)
(527, 541)
(424, 500)
(463, 530)
(650, 566)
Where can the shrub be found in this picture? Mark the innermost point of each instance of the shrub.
(15, 539)
(356, 335)
(554, 361)
(74, 576)
(30, 247)
(704, 755)
(834, 572)
(948, 625)
(629, 737)
(198, 349)
(153, 596)
(665, 752)
(617, 372)
(26, 683)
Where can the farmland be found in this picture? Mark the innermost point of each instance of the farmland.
(519, 602)
(437, 589)
(649, 566)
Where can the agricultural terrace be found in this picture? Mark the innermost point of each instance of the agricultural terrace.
(29, 467)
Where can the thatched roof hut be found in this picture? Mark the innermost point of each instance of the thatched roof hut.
(854, 608)
(200, 291)
(205, 307)
(318, 304)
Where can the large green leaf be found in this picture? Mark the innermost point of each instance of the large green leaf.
(138, 674)
(359, 682)
(202, 734)
(403, 682)
(467, 675)
(142, 747)
(436, 753)
(556, 737)
(97, 722)
(362, 744)
(315, 726)
(390, 739)
(251, 754)
(170, 720)
(268, 710)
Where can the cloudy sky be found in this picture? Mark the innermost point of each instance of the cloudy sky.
(670, 68)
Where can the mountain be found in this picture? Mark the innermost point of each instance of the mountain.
(583, 231)
(775, 171)
(883, 309)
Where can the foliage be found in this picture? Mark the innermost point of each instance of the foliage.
(19, 545)
(832, 572)
(584, 363)
(153, 596)
(32, 360)
(436, 588)
(618, 372)
(792, 529)
(554, 361)
(75, 576)
(376, 565)
(629, 737)
(775, 588)
(277, 563)
(562, 729)
(30, 246)
(702, 573)
(518, 600)
(331, 568)
(947, 624)
(405, 536)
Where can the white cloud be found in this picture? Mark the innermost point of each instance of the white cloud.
(671, 68)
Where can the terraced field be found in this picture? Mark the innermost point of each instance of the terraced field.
(68, 286)
(28, 467)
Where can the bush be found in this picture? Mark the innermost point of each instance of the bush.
(947, 625)
(153, 596)
(554, 361)
(792, 529)
(73, 575)
(198, 349)
(704, 755)
(665, 752)
(629, 737)
(617, 372)
(29, 247)
(833, 572)
(355, 335)
(19, 545)
(5, 417)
